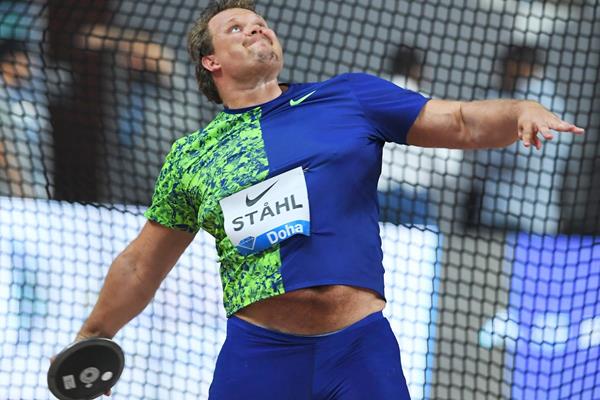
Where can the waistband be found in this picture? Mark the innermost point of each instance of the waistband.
(235, 324)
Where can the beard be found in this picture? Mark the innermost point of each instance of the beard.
(266, 57)
(265, 54)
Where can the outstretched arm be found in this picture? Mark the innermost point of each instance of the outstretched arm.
(485, 124)
(134, 277)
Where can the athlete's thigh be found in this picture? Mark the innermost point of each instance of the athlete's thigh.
(262, 372)
(370, 369)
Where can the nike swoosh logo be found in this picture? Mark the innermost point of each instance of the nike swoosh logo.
(301, 99)
(252, 202)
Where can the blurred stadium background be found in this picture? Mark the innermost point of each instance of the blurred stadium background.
(492, 257)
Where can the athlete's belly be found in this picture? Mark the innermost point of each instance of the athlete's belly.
(313, 311)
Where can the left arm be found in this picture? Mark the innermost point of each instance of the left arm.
(484, 124)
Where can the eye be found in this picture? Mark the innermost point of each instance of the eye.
(235, 29)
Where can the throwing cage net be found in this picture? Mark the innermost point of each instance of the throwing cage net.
(492, 256)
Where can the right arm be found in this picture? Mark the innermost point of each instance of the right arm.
(134, 277)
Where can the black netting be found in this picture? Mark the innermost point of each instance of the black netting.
(492, 256)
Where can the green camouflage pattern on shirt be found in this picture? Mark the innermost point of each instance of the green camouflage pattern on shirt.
(202, 168)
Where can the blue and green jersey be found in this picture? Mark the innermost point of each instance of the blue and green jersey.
(335, 131)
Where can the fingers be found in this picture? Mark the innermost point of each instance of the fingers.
(530, 137)
(535, 141)
(535, 119)
(546, 134)
(563, 126)
(527, 134)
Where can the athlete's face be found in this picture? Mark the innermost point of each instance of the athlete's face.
(243, 44)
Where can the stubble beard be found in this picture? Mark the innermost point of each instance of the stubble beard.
(266, 60)
(265, 56)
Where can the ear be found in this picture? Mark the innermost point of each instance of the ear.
(210, 63)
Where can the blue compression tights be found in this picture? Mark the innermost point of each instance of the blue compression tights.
(360, 362)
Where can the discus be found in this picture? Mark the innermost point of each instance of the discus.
(86, 369)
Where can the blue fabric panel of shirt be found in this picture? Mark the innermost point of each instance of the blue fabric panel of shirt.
(337, 135)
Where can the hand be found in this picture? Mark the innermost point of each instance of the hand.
(534, 119)
(82, 336)
(78, 338)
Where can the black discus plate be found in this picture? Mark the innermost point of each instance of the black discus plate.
(86, 369)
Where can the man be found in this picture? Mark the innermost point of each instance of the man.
(413, 178)
(25, 152)
(501, 199)
(285, 179)
(406, 171)
(91, 163)
(406, 67)
(132, 85)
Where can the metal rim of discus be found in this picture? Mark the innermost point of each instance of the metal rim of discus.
(86, 369)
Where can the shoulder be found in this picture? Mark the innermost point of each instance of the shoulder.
(345, 84)
(361, 83)
(358, 78)
(191, 146)
(194, 141)
(185, 142)
(184, 149)
(353, 77)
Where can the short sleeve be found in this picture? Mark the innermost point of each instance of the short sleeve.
(391, 109)
(172, 206)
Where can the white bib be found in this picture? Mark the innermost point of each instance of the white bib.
(267, 213)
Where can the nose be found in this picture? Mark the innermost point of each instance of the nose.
(256, 29)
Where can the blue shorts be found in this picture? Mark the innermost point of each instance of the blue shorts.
(361, 361)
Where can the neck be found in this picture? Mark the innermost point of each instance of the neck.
(237, 95)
